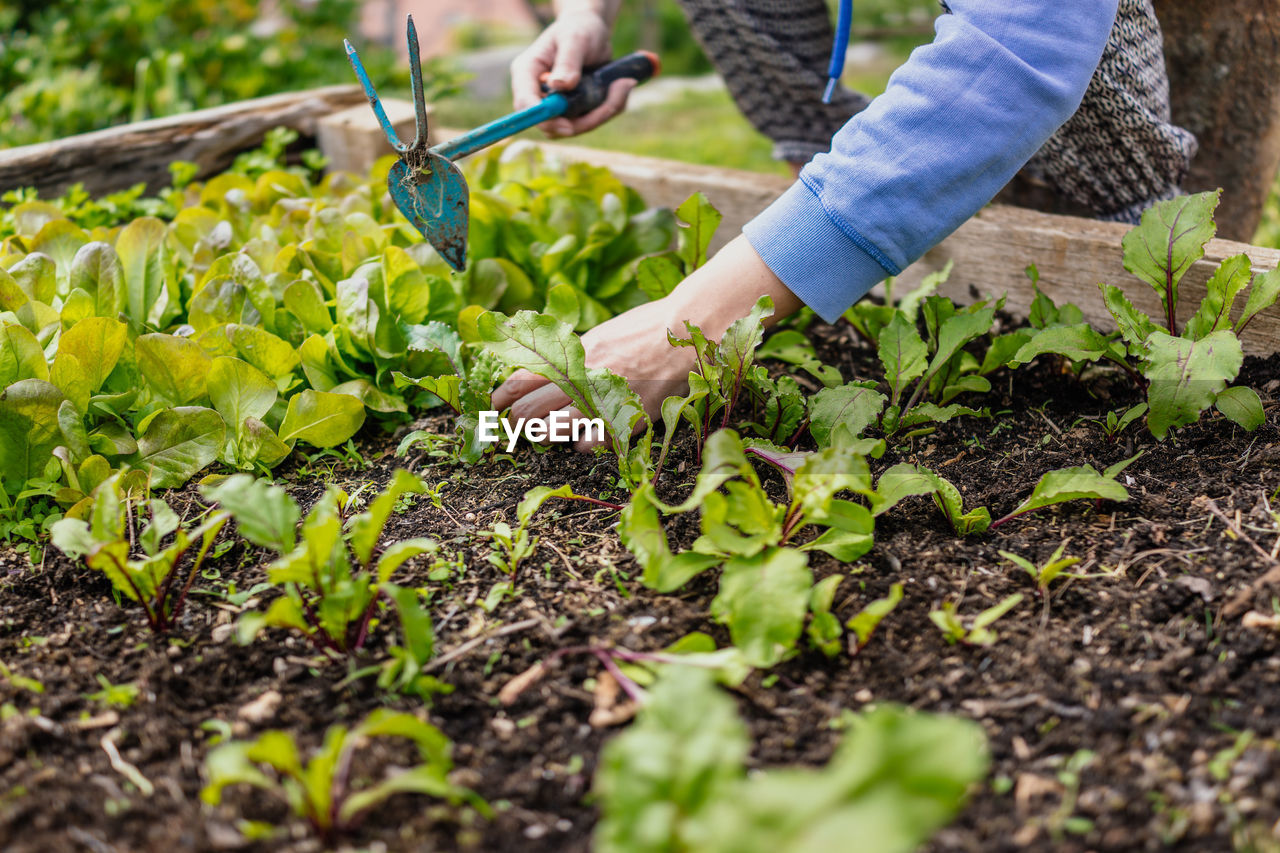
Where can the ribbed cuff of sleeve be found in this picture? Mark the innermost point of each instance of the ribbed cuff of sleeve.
(817, 261)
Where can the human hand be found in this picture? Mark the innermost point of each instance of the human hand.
(634, 344)
(577, 39)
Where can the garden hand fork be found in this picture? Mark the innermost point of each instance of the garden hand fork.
(426, 185)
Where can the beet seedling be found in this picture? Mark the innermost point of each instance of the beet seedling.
(1189, 369)
(322, 791)
(677, 779)
(1047, 572)
(154, 579)
(864, 624)
(979, 632)
(334, 581)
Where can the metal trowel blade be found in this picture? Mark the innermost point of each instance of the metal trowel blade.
(437, 201)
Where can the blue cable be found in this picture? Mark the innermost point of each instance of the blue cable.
(844, 24)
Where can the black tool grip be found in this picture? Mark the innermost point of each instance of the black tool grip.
(594, 88)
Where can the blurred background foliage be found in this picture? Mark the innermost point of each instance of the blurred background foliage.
(72, 66)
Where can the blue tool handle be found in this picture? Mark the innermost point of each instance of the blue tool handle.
(586, 97)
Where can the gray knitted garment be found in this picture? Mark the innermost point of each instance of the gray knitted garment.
(1116, 156)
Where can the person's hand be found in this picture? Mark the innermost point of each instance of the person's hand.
(578, 39)
(634, 344)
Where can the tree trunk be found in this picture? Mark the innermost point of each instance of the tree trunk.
(1224, 75)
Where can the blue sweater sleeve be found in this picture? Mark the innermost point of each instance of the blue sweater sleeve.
(956, 123)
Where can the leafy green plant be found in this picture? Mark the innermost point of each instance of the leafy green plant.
(122, 696)
(866, 621)
(153, 579)
(334, 581)
(549, 348)
(765, 582)
(978, 632)
(676, 780)
(1082, 482)
(1055, 487)
(1047, 572)
(1189, 367)
(323, 790)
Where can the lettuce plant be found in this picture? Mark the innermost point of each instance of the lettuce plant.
(323, 790)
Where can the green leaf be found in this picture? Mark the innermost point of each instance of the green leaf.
(177, 369)
(854, 407)
(258, 444)
(238, 390)
(1241, 405)
(549, 348)
(640, 528)
(1077, 343)
(28, 429)
(1231, 277)
(1186, 377)
(1070, 484)
(37, 276)
(948, 499)
(764, 599)
(426, 780)
(958, 330)
(865, 622)
(178, 443)
(903, 353)
(87, 353)
(97, 271)
(141, 248)
(1169, 240)
(1262, 295)
(698, 223)
(658, 276)
(272, 355)
(1135, 327)
(900, 482)
(322, 419)
(21, 356)
(265, 514)
(1002, 350)
(824, 628)
(399, 553)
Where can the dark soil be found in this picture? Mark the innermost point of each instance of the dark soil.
(1145, 663)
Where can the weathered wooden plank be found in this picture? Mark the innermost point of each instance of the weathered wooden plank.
(353, 140)
(119, 157)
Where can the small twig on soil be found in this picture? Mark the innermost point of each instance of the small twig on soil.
(1050, 422)
(469, 645)
(1241, 600)
(124, 768)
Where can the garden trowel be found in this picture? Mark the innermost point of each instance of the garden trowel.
(426, 185)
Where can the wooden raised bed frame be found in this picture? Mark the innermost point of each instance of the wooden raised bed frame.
(991, 251)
